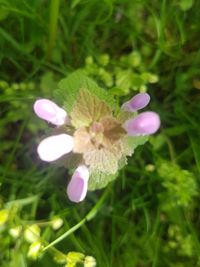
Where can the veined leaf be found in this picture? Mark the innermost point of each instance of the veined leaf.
(87, 109)
(69, 89)
(100, 180)
(102, 160)
(134, 141)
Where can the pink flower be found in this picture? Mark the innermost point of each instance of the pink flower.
(139, 101)
(49, 111)
(54, 147)
(94, 136)
(77, 187)
(143, 124)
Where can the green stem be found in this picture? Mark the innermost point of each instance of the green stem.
(171, 150)
(53, 22)
(87, 218)
(23, 201)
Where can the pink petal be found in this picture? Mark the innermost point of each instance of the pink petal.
(49, 111)
(143, 124)
(53, 147)
(139, 101)
(77, 187)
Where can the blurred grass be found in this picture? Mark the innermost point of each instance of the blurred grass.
(137, 225)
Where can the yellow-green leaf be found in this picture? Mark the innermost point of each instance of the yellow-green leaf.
(88, 109)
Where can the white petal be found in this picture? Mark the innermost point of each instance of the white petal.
(53, 147)
(49, 111)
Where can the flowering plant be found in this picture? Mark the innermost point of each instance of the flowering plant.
(92, 135)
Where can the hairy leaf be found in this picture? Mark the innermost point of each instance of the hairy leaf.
(87, 109)
(99, 180)
(69, 88)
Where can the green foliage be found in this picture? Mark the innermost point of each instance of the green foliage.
(186, 4)
(88, 109)
(180, 185)
(182, 242)
(99, 180)
(120, 75)
(69, 89)
(150, 216)
(16, 227)
(94, 124)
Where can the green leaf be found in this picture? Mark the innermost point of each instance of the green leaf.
(124, 80)
(134, 141)
(136, 81)
(87, 109)
(69, 89)
(117, 91)
(99, 180)
(134, 59)
(186, 4)
(102, 160)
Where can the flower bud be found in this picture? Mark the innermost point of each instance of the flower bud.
(34, 250)
(90, 262)
(139, 101)
(56, 223)
(32, 233)
(74, 259)
(15, 231)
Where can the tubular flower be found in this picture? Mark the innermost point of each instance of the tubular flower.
(138, 102)
(77, 187)
(143, 124)
(49, 111)
(92, 139)
(53, 147)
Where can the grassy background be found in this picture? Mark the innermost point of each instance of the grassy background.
(150, 215)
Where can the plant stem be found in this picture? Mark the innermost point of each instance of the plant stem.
(53, 22)
(88, 217)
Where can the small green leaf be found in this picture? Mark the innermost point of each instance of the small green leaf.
(99, 180)
(136, 81)
(134, 59)
(117, 91)
(70, 87)
(180, 185)
(124, 80)
(186, 4)
(87, 109)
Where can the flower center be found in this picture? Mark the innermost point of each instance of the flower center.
(96, 132)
